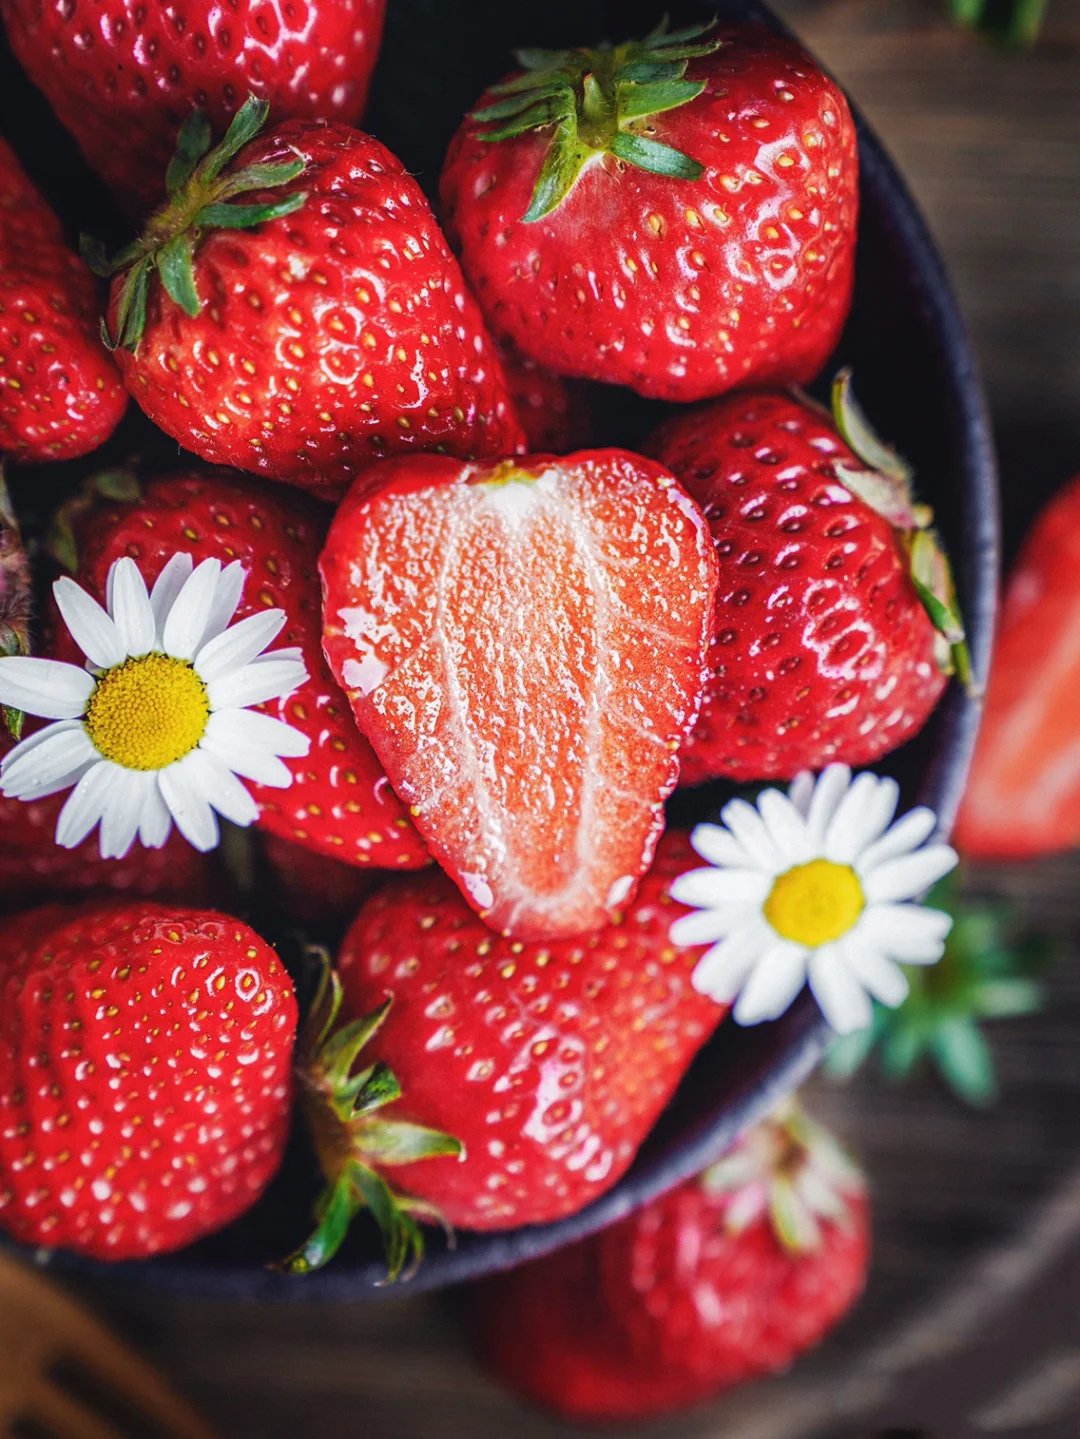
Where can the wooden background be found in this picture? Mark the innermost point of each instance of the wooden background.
(971, 1323)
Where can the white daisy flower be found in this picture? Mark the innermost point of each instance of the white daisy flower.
(817, 886)
(155, 730)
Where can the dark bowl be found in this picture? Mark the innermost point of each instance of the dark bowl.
(915, 375)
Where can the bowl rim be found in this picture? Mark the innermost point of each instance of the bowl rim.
(651, 1175)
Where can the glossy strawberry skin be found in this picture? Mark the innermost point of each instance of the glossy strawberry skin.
(680, 289)
(328, 338)
(60, 393)
(123, 75)
(821, 649)
(340, 803)
(145, 1076)
(549, 1062)
(554, 413)
(1023, 795)
(524, 647)
(665, 1309)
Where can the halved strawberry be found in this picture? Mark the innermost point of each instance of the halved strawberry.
(524, 645)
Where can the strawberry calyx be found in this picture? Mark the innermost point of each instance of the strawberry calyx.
(353, 1142)
(200, 197)
(14, 597)
(598, 102)
(886, 485)
(115, 486)
(790, 1170)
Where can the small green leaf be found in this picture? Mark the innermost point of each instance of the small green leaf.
(963, 1057)
(662, 38)
(403, 1243)
(244, 217)
(657, 159)
(371, 1090)
(648, 71)
(174, 264)
(516, 104)
(396, 1141)
(244, 126)
(260, 177)
(96, 256)
(338, 1053)
(858, 433)
(635, 101)
(563, 163)
(192, 143)
(131, 307)
(14, 720)
(535, 117)
(531, 58)
(336, 1209)
(1008, 998)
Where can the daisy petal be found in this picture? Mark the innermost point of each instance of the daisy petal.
(801, 791)
(773, 984)
(703, 926)
(860, 817)
(129, 605)
(230, 587)
(220, 787)
(910, 875)
(47, 759)
(744, 822)
(710, 888)
(122, 811)
(47, 688)
(248, 729)
(189, 807)
(86, 804)
(843, 1001)
(906, 834)
(187, 620)
(877, 973)
(910, 933)
(233, 648)
(263, 679)
(155, 824)
(90, 627)
(831, 786)
(721, 970)
(718, 846)
(785, 825)
(167, 586)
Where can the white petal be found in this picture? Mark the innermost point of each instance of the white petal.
(877, 973)
(844, 1002)
(906, 834)
(220, 787)
(860, 817)
(721, 971)
(187, 621)
(704, 926)
(801, 791)
(749, 829)
(829, 790)
(718, 846)
(86, 804)
(774, 982)
(230, 587)
(47, 759)
(910, 933)
(235, 647)
(786, 826)
(709, 888)
(167, 586)
(47, 688)
(250, 729)
(263, 679)
(91, 628)
(122, 811)
(908, 876)
(155, 826)
(129, 605)
(189, 807)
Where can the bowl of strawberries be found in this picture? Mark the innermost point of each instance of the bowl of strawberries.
(451, 601)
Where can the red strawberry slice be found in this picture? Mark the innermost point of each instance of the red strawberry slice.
(523, 644)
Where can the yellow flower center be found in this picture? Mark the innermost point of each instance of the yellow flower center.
(815, 903)
(148, 712)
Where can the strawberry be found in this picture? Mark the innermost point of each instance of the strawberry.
(60, 394)
(145, 1078)
(122, 75)
(724, 1279)
(676, 214)
(340, 803)
(1023, 797)
(523, 644)
(548, 1063)
(824, 647)
(553, 413)
(317, 325)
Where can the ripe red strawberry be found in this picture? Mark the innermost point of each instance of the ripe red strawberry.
(727, 1278)
(553, 413)
(145, 1075)
(33, 867)
(317, 325)
(548, 1062)
(675, 214)
(824, 648)
(1023, 797)
(523, 644)
(60, 394)
(340, 802)
(122, 75)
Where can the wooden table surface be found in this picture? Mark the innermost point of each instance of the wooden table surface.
(971, 1323)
